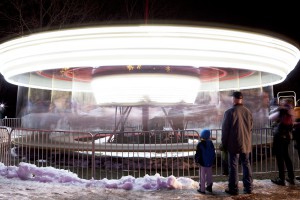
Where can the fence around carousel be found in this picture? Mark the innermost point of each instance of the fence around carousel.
(113, 155)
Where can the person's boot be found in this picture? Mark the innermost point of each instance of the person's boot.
(202, 192)
(278, 181)
(290, 181)
(231, 192)
(209, 188)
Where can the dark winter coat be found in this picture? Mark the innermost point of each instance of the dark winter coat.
(237, 129)
(205, 153)
(283, 124)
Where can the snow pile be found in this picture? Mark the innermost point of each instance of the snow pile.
(30, 172)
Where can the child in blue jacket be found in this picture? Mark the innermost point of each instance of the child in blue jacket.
(205, 156)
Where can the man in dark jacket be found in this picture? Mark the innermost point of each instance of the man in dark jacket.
(236, 139)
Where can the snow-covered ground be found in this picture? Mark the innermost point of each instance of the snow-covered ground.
(27, 181)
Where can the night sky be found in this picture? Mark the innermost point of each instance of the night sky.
(277, 18)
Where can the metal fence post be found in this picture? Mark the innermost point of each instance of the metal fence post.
(93, 157)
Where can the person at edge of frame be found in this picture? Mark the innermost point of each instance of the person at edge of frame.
(282, 125)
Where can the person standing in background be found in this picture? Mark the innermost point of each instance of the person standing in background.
(296, 130)
(237, 140)
(176, 117)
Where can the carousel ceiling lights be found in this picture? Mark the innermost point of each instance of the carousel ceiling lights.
(145, 88)
(146, 45)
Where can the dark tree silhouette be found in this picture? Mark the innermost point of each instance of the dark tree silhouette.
(19, 17)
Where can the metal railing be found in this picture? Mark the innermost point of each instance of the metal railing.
(113, 155)
(11, 122)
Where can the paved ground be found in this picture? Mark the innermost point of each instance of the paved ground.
(17, 189)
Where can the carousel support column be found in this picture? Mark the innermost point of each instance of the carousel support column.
(122, 113)
(145, 119)
(145, 123)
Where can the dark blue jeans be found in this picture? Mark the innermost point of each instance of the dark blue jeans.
(233, 180)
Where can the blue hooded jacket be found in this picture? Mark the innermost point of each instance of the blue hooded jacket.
(205, 152)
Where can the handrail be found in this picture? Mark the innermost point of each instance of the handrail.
(293, 95)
